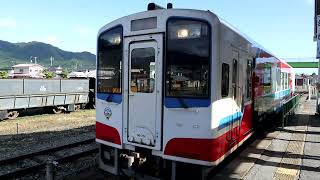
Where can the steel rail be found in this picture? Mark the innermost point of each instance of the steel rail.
(34, 168)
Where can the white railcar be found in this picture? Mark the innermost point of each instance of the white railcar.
(173, 85)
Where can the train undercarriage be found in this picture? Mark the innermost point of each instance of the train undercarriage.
(142, 164)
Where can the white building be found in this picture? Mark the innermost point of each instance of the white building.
(91, 73)
(28, 70)
(56, 70)
(77, 75)
(83, 74)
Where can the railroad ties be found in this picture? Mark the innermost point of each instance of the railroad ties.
(34, 162)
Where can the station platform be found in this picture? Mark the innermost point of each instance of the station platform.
(289, 153)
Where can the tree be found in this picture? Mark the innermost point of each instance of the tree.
(64, 74)
(3, 74)
(48, 74)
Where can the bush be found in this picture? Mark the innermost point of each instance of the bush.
(48, 74)
(3, 74)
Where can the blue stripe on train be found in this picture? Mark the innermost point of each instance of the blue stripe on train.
(116, 98)
(280, 94)
(227, 120)
(187, 102)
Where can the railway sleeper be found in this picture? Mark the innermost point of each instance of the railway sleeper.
(33, 165)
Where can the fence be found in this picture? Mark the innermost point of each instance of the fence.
(312, 92)
(288, 108)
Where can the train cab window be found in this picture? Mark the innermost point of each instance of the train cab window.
(187, 58)
(225, 80)
(109, 61)
(142, 70)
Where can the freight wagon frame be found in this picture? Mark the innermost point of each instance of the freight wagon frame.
(58, 94)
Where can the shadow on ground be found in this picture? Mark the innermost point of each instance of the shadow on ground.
(313, 123)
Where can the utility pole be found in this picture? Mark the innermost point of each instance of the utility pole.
(51, 60)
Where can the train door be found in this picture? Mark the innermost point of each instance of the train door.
(236, 96)
(144, 92)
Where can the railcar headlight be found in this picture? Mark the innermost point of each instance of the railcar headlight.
(183, 33)
(188, 31)
(113, 39)
(116, 40)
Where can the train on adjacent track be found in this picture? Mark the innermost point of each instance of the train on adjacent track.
(180, 85)
(20, 95)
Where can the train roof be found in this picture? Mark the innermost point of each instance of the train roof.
(257, 49)
(254, 43)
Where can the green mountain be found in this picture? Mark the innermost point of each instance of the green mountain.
(15, 53)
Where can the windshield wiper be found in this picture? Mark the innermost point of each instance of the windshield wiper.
(182, 103)
(109, 98)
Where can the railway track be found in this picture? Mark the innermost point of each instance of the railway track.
(34, 162)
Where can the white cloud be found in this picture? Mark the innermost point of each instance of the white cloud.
(82, 31)
(8, 23)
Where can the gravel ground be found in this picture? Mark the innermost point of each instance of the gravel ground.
(44, 131)
(73, 168)
(70, 170)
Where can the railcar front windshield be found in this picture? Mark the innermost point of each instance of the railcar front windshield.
(187, 58)
(109, 61)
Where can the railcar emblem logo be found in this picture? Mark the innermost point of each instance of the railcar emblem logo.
(107, 112)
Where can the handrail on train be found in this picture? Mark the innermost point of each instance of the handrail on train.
(289, 107)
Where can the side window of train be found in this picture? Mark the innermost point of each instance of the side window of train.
(267, 78)
(287, 80)
(249, 80)
(234, 78)
(225, 80)
(282, 81)
(278, 80)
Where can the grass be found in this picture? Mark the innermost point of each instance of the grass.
(48, 122)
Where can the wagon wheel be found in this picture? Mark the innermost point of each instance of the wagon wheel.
(57, 110)
(77, 107)
(13, 115)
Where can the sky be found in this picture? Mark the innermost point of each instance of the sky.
(284, 27)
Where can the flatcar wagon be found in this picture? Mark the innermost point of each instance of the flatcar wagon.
(58, 94)
(177, 85)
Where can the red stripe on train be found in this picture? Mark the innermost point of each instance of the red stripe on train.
(107, 133)
(209, 149)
